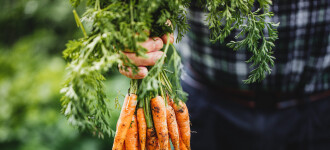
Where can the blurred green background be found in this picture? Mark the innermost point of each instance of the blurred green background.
(33, 34)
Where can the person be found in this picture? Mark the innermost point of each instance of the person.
(288, 110)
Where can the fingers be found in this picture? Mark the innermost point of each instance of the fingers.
(150, 60)
(152, 44)
(143, 72)
(171, 38)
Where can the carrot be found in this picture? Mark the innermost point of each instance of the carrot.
(182, 146)
(142, 128)
(159, 116)
(124, 147)
(152, 141)
(182, 117)
(132, 137)
(172, 127)
(169, 100)
(124, 121)
(169, 144)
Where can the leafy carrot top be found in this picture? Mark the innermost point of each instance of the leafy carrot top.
(116, 25)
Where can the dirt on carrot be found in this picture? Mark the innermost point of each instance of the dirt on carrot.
(152, 141)
(159, 117)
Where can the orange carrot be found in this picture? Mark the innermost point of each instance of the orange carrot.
(182, 146)
(169, 100)
(124, 121)
(132, 137)
(152, 141)
(182, 117)
(172, 127)
(159, 117)
(142, 128)
(169, 144)
(124, 147)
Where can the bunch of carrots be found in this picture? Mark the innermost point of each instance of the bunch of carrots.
(151, 123)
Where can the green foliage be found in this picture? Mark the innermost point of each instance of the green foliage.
(258, 35)
(75, 3)
(23, 17)
(31, 74)
(26, 84)
(29, 106)
(29, 103)
(115, 26)
(173, 71)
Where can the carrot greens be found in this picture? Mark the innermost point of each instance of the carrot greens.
(119, 25)
(256, 34)
(115, 26)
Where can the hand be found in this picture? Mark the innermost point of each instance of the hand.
(153, 45)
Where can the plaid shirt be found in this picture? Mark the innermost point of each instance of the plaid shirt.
(302, 51)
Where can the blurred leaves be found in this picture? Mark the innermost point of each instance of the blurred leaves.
(33, 35)
(23, 17)
(29, 85)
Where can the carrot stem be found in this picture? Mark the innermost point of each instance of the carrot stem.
(166, 82)
(141, 104)
(134, 86)
(162, 93)
(79, 24)
(148, 112)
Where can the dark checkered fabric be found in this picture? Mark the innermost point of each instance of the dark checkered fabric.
(302, 51)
